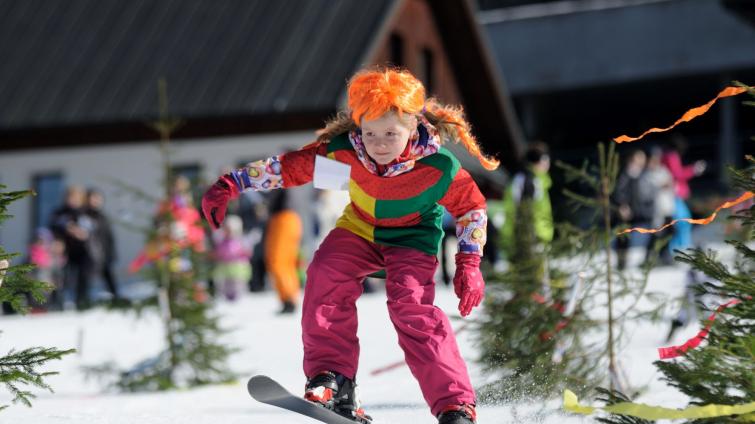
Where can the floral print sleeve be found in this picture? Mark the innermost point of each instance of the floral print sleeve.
(471, 230)
(263, 174)
(291, 169)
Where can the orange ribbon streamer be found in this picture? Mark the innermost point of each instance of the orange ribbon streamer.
(688, 116)
(674, 351)
(701, 221)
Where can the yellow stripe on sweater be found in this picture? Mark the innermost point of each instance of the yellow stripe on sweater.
(364, 201)
(350, 221)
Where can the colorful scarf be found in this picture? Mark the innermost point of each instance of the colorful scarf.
(423, 142)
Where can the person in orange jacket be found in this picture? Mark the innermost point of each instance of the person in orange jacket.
(284, 232)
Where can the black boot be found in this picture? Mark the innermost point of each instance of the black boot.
(336, 392)
(322, 389)
(348, 403)
(288, 308)
(458, 414)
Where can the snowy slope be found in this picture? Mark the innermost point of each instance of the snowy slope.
(271, 345)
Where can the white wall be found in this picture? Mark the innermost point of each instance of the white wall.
(136, 164)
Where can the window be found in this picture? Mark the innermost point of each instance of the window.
(427, 61)
(50, 190)
(397, 50)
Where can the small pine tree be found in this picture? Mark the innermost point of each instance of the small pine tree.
(16, 286)
(608, 286)
(192, 357)
(175, 260)
(720, 371)
(543, 314)
(523, 332)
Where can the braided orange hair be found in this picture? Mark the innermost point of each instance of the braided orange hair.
(372, 93)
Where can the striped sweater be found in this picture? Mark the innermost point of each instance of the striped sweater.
(400, 210)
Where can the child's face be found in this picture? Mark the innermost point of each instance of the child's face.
(385, 138)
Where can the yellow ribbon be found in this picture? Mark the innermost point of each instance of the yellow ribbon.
(639, 410)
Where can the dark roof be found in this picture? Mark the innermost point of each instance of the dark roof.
(98, 61)
(86, 71)
(574, 45)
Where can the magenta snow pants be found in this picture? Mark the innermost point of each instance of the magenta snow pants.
(329, 315)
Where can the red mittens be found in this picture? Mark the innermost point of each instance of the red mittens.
(468, 283)
(215, 200)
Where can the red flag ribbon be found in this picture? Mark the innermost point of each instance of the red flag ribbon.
(674, 351)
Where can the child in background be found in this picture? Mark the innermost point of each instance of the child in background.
(40, 254)
(401, 178)
(531, 184)
(672, 160)
(47, 254)
(662, 183)
(232, 253)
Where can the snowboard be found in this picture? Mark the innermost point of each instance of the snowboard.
(266, 390)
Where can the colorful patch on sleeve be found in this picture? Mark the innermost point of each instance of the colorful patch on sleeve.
(471, 230)
(264, 174)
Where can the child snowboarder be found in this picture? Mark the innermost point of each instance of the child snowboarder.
(401, 178)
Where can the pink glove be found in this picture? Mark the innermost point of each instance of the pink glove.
(215, 200)
(468, 284)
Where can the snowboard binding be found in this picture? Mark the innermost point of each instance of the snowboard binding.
(337, 393)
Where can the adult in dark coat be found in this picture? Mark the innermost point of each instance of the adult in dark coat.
(635, 197)
(71, 224)
(102, 243)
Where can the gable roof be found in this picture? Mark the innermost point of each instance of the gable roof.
(97, 61)
(86, 71)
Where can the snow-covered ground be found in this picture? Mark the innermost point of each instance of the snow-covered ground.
(271, 345)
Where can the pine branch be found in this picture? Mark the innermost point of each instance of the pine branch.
(21, 368)
(582, 174)
(582, 200)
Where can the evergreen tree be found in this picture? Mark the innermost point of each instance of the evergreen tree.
(174, 258)
(721, 370)
(19, 368)
(607, 286)
(524, 332)
(543, 315)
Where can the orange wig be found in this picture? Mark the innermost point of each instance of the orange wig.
(372, 93)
